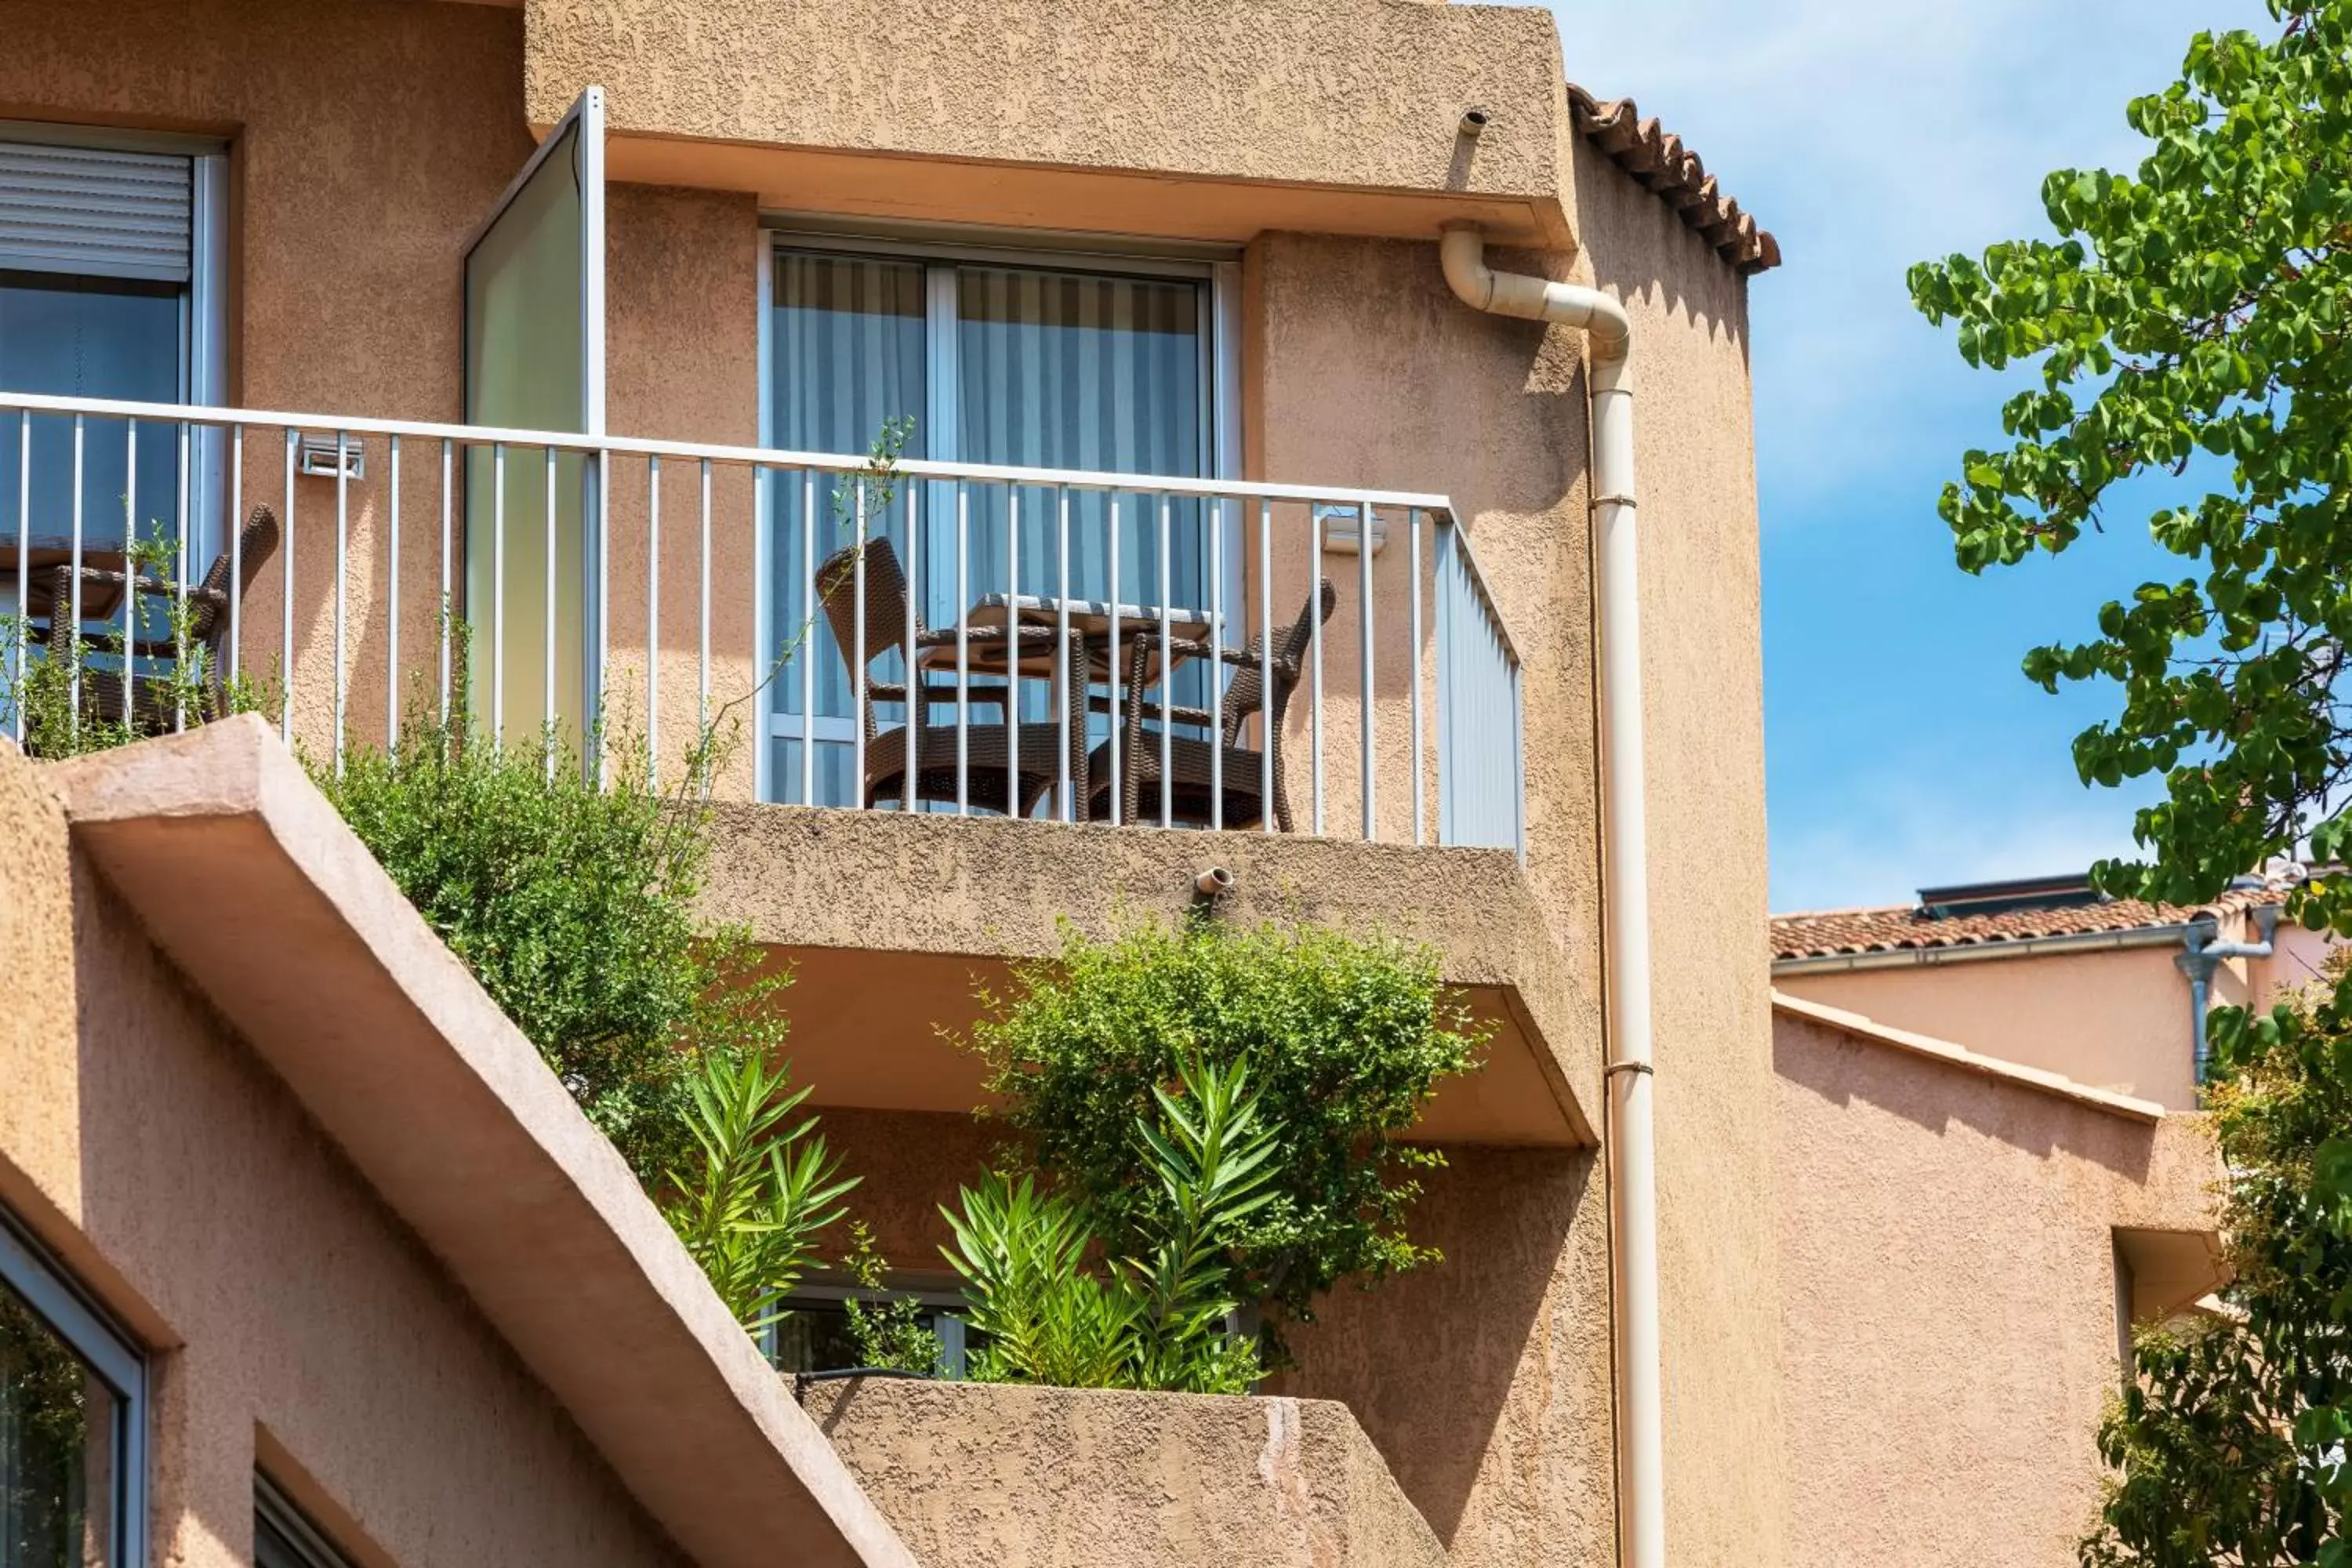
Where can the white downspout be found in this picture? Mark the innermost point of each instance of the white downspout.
(1633, 1184)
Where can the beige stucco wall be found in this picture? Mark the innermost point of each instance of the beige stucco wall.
(1703, 712)
(1041, 113)
(286, 1311)
(979, 1476)
(2116, 1019)
(1947, 1316)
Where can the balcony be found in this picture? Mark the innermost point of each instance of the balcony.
(1324, 748)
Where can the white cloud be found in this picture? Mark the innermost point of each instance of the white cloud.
(1908, 833)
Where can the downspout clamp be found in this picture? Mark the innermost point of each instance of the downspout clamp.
(1630, 1073)
(2200, 956)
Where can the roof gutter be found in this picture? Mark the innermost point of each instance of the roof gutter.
(1632, 1183)
(1978, 952)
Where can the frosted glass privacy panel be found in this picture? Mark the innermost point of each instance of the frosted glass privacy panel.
(532, 361)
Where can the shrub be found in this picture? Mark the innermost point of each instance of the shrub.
(760, 1187)
(1345, 1037)
(573, 906)
(1159, 1318)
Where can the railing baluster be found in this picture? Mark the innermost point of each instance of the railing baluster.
(653, 623)
(963, 651)
(858, 658)
(592, 722)
(1117, 679)
(342, 583)
(130, 573)
(803, 649)
(918, 717)
(498, 594)
(285, 604)
(1412, 570)
(1315, 702)
(702, 655)
(235, 548)
(1217, 703)
(179, 592)
(1013, 652)
(1167, 673)
(73, 634)
(24, 572)
(392, 615)
(547, 640)
(448, 600)
(1369, 720)
(1064, 794)
(1268, 737)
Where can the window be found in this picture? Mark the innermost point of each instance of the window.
(110, 269)
(813, 1335)
(283, 1537)
(72, 1423)
(1049, 360)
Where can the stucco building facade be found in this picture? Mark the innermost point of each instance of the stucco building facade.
(552, 334)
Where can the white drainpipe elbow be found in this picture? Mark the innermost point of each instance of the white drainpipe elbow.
(1630, 1073)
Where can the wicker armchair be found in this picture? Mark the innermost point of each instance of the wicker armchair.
(1190, 767)
(988, 747)
(151, 708)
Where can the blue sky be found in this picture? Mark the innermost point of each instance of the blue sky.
(1903, 747)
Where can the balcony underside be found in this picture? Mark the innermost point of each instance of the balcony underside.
(892, 921)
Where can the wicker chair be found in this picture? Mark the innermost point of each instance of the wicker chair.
(1188, 756)
(988, 747)
(152, 708)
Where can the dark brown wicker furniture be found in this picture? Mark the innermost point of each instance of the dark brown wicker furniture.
(988, 747)
(152, 708)
(1190, 767)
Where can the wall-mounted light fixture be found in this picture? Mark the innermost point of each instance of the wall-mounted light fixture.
(1342, 527)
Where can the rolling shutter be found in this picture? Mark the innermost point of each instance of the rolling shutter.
(95, 213)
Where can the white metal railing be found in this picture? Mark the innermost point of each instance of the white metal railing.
(1405, 693)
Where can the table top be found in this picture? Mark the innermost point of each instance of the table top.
(43, 553)
(1089, 619)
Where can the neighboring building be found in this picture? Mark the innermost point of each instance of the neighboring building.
(2047, 974)
(549, 315)
(1990, 1094)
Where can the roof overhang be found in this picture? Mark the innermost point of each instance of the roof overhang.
(447, 1111)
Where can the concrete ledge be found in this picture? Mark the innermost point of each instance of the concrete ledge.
(976, 1476)
(253, 886)
(1212, 118)
(1863, 1028)
(891, 919)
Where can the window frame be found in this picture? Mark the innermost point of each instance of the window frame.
(283, 1514)
(28, 1271)
(946, 1305)
(203, 306)
(940, 248)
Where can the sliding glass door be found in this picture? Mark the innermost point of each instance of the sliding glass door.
(1033, 363)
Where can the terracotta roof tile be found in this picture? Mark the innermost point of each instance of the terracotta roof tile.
(1830, 933)
(1658, 159)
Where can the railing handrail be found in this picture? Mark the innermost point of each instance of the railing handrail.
(761, 457)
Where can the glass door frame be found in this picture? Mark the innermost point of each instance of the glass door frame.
(940, 247)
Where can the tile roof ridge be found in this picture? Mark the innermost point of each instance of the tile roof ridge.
(1672, 172)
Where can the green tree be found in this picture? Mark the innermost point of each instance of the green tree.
(1345, 1039)
(2189, 326)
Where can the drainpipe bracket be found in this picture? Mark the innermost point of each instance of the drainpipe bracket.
(1597, 502)
(1614, 1068)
